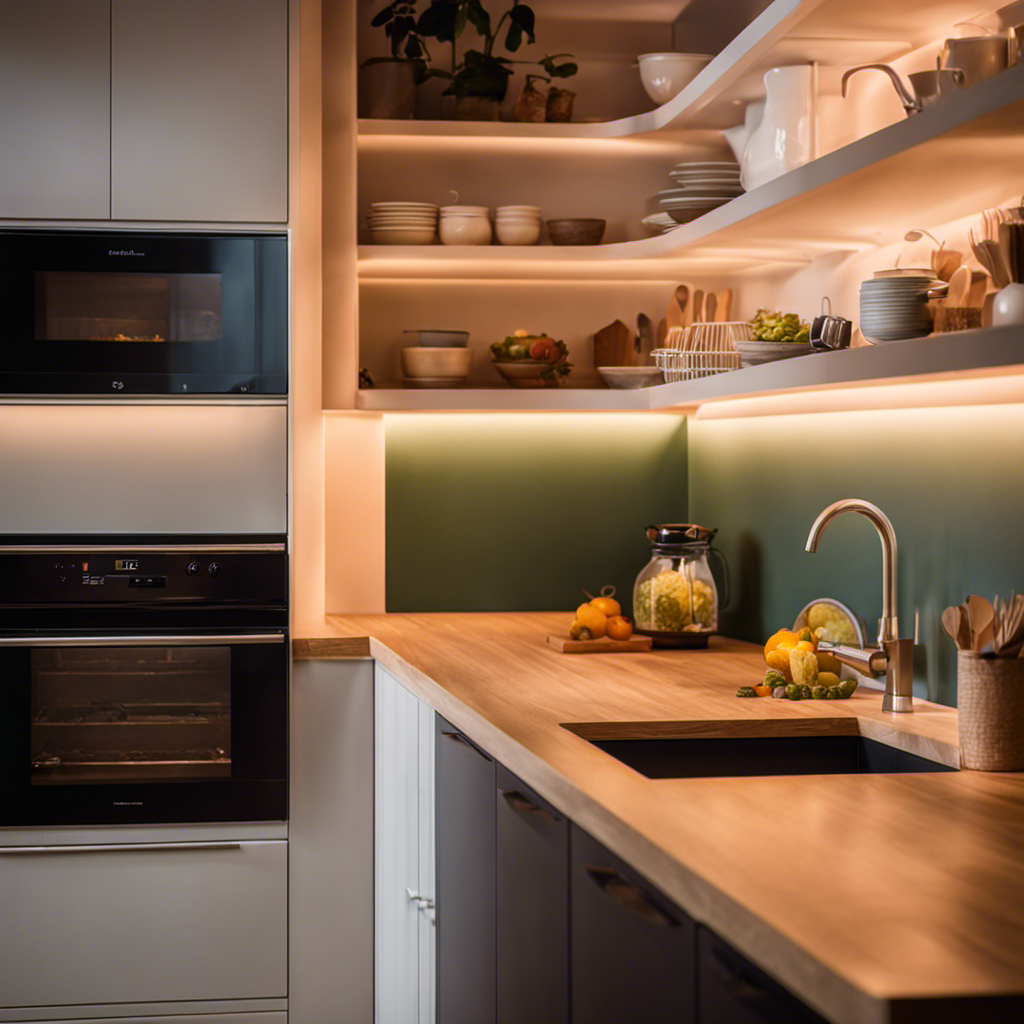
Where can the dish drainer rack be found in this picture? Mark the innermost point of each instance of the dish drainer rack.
(701, 350)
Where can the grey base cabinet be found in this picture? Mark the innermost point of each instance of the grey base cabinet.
(633, 951)
(465, 816)
(532, 945)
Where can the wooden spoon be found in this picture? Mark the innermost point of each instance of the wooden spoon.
(959, 286)
(698, 308)
(982, 615)
(710, 306)
(965, 634)
(675, 315)
(724, 305)
(979, 286)
(951, 622)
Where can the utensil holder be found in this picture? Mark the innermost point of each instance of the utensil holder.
(990, 705)
(957, 318)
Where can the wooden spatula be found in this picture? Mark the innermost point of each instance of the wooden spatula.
(675, 315)
(724, 312)
(710, 306)
(696, 313)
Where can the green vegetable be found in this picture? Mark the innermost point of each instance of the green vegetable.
(770, 325)
(833, 693)
(818, 692)
(746, 691)
(774, 678)
(846, 688)
(795, 691)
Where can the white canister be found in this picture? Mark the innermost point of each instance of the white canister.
(1008, 306)
(465, 225)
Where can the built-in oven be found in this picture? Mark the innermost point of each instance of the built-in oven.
(144, 681)
(155, 313)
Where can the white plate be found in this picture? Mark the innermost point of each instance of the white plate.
(659, 223)
(688, 203)
(689, 165)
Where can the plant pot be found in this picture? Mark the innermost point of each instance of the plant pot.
(387, 89)
(476, 108)
(531, 105)
(559, 106)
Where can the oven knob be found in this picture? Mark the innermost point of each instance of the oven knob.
(214, 569)
(194, 568)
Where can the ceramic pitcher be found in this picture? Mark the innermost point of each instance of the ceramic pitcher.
(786, 136)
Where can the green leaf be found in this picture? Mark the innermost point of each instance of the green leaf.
(565, 70)
(382, 16)
(514, 39)
(438, 20)
(479, 17)
(460, 21)
(522, 17)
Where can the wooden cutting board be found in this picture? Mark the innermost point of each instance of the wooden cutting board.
(614, 345)
(602, 646)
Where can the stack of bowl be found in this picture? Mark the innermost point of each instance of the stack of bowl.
(403, 223)
(517, 225)
(465, 225)
(440, 360)
(895, 306)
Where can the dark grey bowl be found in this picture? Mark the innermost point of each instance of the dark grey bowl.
(576, 231)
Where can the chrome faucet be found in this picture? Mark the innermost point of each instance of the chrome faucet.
(893, 657)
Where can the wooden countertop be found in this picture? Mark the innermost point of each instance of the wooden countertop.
(896, 889)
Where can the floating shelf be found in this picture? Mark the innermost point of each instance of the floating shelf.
(955, 357)
(830, 32)
(857, 197)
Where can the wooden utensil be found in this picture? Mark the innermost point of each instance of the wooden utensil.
(710, 306)
(644, 341)
(979, 286)
(614, 345)
(662, 333)
(959, 286)
(697, 308)
(724, 305)
(964, 634)
(675, 315)
(951, 623)
(982, 615)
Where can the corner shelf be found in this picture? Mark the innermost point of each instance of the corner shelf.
(856, 197)
(957, 357)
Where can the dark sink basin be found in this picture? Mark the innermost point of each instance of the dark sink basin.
(717, 756)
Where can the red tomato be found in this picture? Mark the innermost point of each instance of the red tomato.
(539, 348)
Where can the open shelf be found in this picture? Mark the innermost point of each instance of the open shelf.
(829, 32)
(947, 162)
(940, 357)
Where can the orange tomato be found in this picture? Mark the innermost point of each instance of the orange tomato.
(763, 691)
(619, 627)
(782, 636)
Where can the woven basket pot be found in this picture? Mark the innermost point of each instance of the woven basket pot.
(990, 704)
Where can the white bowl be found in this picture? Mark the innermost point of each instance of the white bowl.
(403, 236)
(753, 353)
(511, 232)
(665, 75)
(440, 339)
(467, 229)
(631, 377)
(506, 210)
(419, 361)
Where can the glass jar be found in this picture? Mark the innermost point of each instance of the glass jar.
(675, 599)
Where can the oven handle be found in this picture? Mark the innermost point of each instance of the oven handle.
(23, 851)
(142, 641)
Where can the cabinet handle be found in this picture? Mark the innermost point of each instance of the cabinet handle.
(457, 737)
(629, 896)
(21, 851)
(739, 986)
(201, 640)
(518, 802)
(422, 902)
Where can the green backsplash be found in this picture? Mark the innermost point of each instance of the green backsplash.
(951, 481)
(518, 512)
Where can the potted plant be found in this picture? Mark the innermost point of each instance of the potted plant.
(387, 85)
(479, 82)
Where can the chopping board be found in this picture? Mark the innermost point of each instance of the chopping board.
(602, 646)
(614, 345)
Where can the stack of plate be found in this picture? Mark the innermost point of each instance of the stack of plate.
(701, 185)
(403, 223)
(894, 308)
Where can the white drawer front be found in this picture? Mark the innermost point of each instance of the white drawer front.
(178, 922)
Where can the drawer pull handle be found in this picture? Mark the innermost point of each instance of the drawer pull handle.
(457, 737)
(524, 805)
(21, 851)
(629, 896)
(742, 988)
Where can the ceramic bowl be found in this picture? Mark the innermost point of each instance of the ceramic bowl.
(576, 231)
(517, 232)
(665, 75)
(631, 377)
(403, 236)
(753, 353)
(525, 373)
(440, 339)
(436, 362)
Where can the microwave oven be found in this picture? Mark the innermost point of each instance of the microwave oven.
(151, 313)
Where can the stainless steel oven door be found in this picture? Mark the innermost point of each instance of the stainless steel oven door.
(131, 728)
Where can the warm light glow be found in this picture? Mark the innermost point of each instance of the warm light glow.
(944, 394)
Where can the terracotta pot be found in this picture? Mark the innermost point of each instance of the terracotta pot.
(387, 89)
(559, 107)
(476, 108)
(531, 105)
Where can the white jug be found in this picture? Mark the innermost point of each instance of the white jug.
(787, 134)
(738, 136)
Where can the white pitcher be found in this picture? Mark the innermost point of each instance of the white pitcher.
(787, 134)
(737, 136)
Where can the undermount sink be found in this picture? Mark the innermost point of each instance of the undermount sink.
(720, 756)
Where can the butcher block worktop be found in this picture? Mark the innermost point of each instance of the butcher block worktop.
(868, 895)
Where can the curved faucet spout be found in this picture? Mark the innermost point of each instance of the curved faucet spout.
(888, 628)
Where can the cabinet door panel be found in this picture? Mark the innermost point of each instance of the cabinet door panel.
(465, 879)
(633, 952)
(532, 907)
(199, 127)
(160, 924)
(55, 109)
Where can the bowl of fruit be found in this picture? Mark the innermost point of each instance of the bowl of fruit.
(776, 336)
(528, 360)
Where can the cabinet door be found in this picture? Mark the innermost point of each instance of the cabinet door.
(143, 923)
(403, 854)
(633, 952)
(272, 1017)
(199, 110)
(532, 906)
(55, 108)
(465, 879)
(733, 989)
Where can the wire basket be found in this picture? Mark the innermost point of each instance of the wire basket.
(701, 350)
